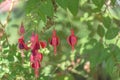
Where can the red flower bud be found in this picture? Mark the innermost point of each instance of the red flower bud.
(54, 41)
(72, 39)
(22, 29)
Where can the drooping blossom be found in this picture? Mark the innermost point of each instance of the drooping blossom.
(22, 44)
(35, 43)
(36, 57)
(72, 39)
(35, 61)
(32, 39)
(54, 41)
(21, 29)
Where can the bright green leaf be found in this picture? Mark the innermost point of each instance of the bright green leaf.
(115, 12)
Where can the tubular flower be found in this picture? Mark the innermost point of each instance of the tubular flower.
(32, 39)
(72, 39)
(35, 60)
(21, 29)
(54, 41)
(36, 57)
(35, 42)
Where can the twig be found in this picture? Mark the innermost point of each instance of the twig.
(1, 24)
(78, 73)
(9, 12)
(107, 4)
(7, 39)
(6, 22)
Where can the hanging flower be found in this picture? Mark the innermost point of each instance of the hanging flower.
(21, 29)
(35, 60)
(54, 41)
(32, 39)
(35, 42)
(36, 57)
(22, 44)
(72, 39)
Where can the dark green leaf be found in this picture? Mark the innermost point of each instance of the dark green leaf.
(73, 6)
(109, 66)
(42, 16)
(111, 33)
(62, 3)
(107, 22)
(99, 3)
(100, 31)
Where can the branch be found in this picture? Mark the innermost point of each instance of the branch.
(79, 73)
(9, 12)
(7, 19)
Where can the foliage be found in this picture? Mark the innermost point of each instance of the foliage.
(95, 23)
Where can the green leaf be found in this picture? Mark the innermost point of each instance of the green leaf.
(100, 31)
(114, 49)
(107, 22)
(62, 3)
(99, 3)
(46, 8)
(109, 66)
(73, 6)
(115, 12)
(97, 54)
(111, 33)
(42, 16)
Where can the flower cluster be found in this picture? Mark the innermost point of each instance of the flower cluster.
(35, 57)
(35, 44)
